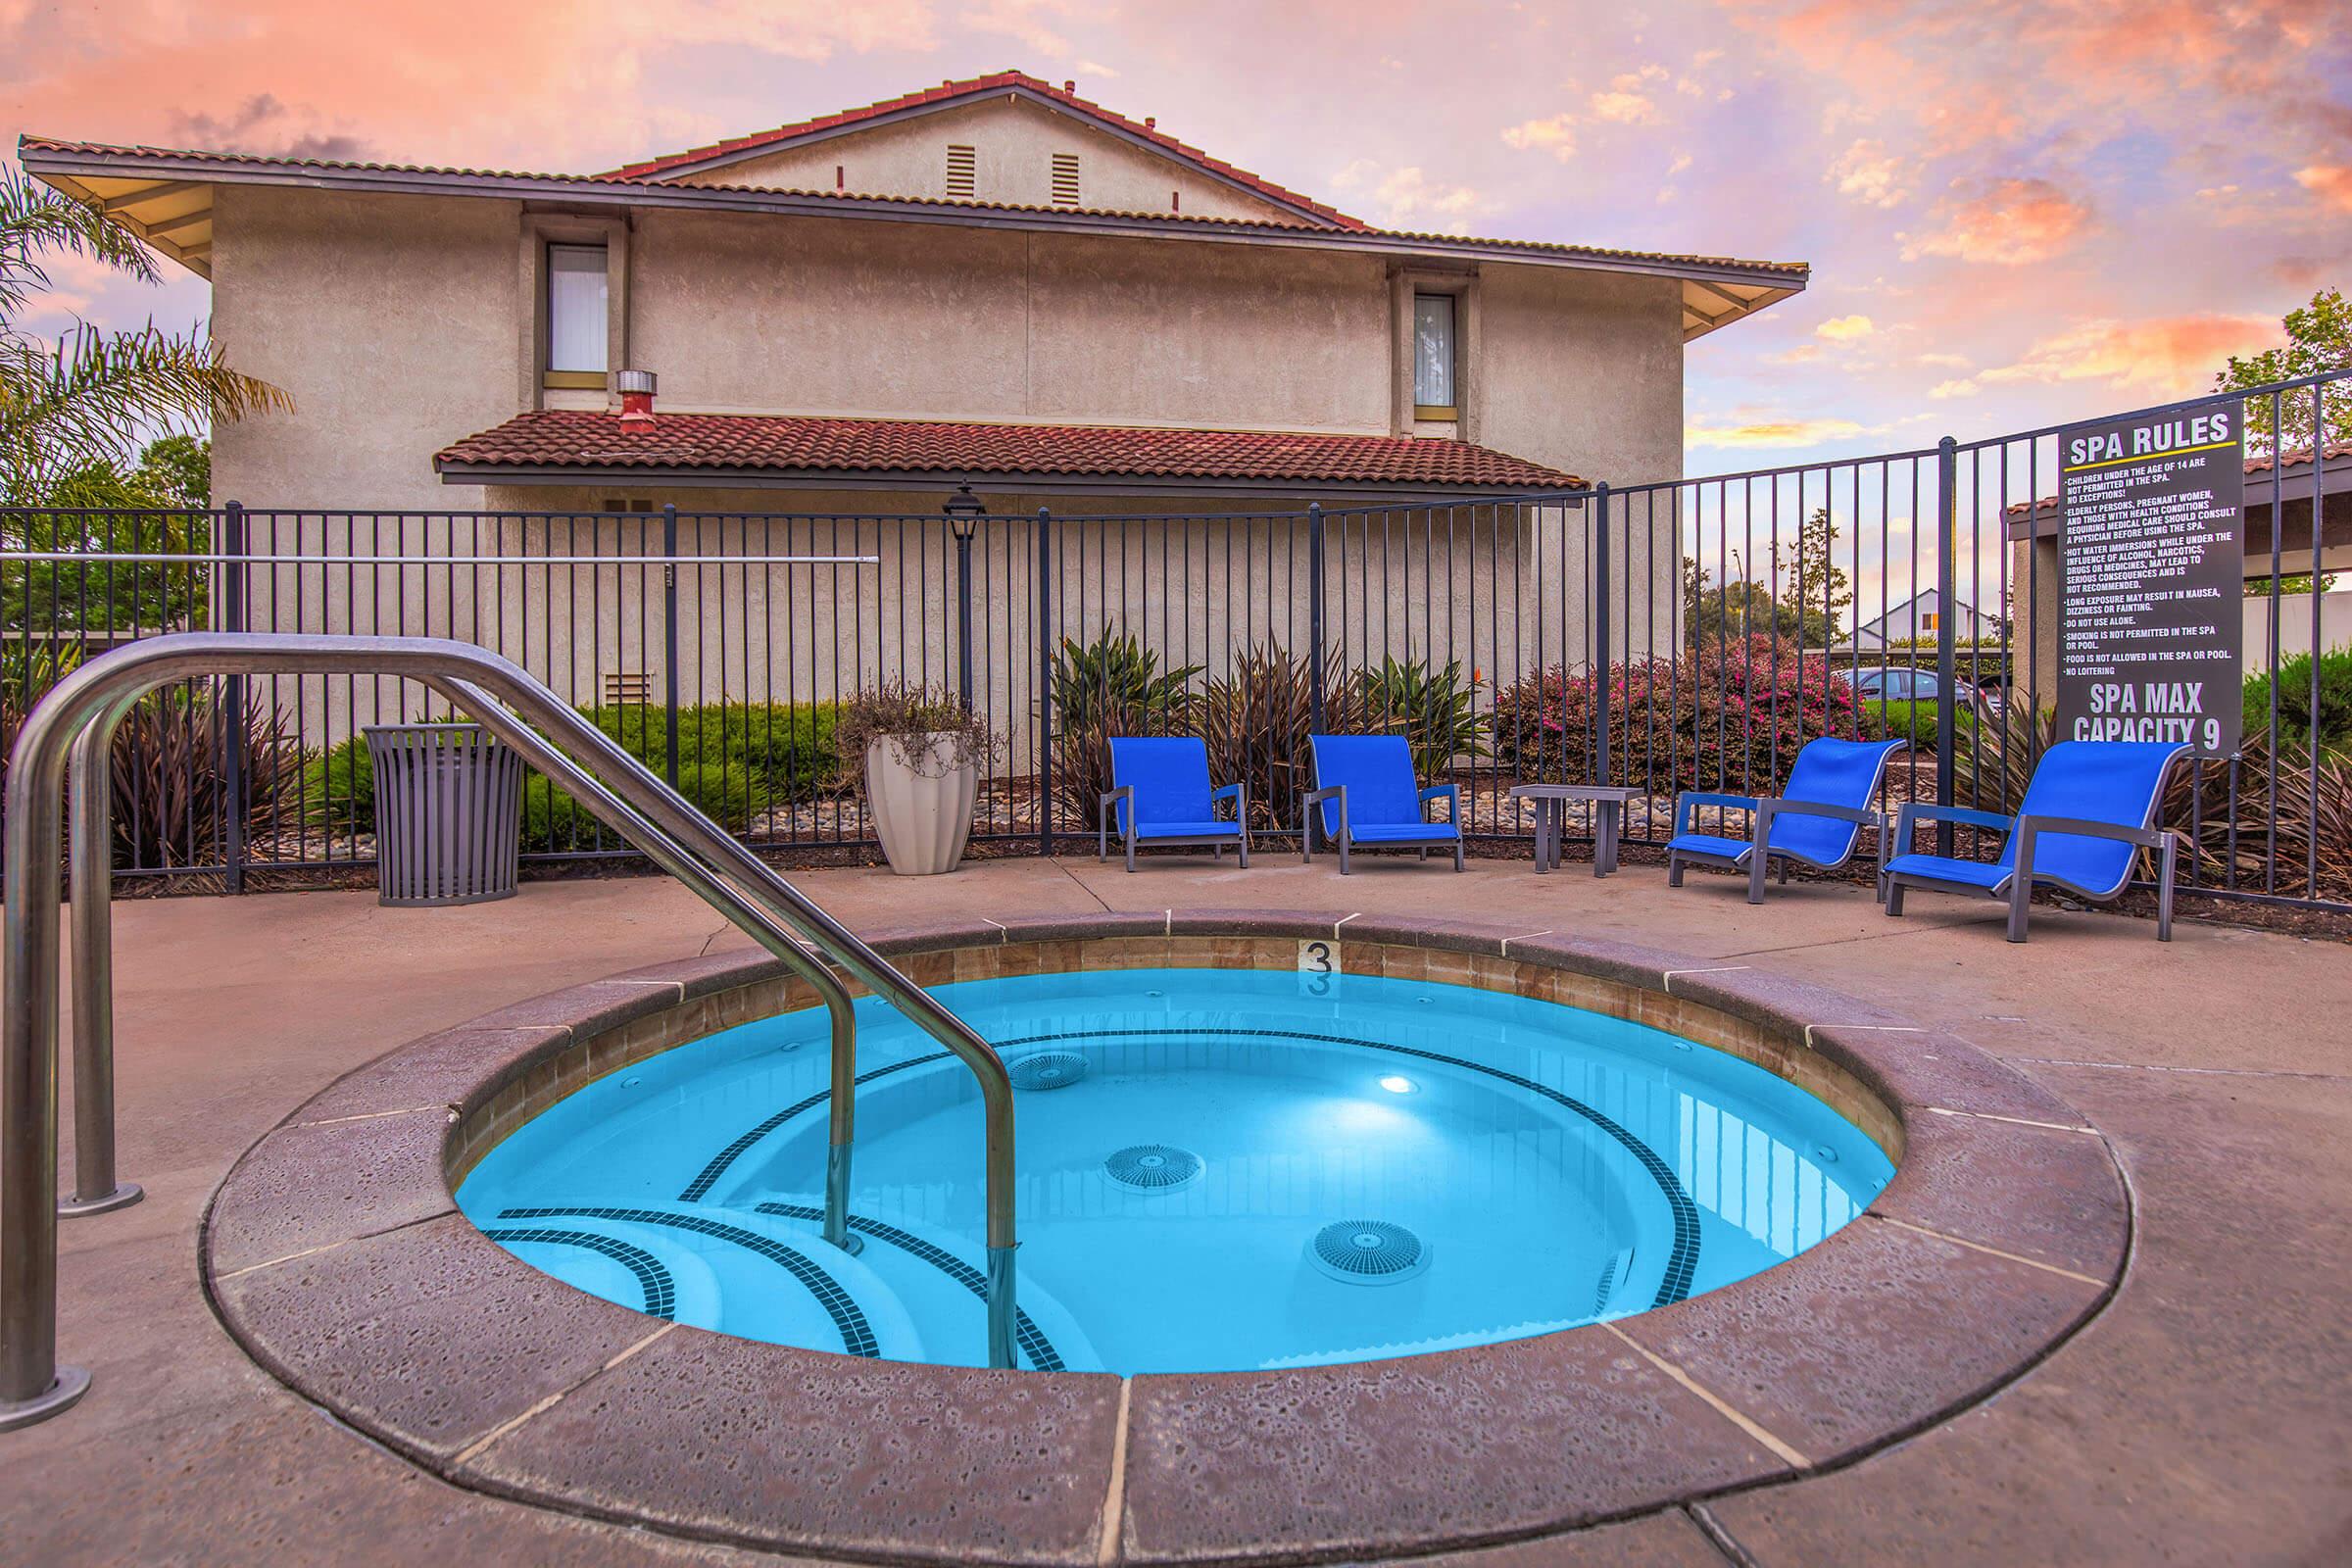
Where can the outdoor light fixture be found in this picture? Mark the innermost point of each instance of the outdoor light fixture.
(965, 511)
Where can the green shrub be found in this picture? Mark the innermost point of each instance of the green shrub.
(2295, 702)
(1436, 710)
(338, 788)
(788, 747)
(553, 821)
(1915, 722)
(734, 760)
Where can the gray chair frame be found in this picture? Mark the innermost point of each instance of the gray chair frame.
(1758, 856)
(1239, 793)
(2018, 889)
(1339, 792)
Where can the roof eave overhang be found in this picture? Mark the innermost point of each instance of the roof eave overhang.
(184, 236)
(1746, 288)
(698, 478)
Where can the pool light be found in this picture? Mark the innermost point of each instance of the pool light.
(1399, 1084)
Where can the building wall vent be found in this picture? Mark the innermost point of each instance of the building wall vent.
(1065, 180)
(963, 171)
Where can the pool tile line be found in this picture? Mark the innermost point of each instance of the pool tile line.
(848, 1318)
(1787, 1453)
(653, 1282)
(2091, 1280)
(1043, 1358)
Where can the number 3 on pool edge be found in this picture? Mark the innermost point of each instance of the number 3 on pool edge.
(1318, 966)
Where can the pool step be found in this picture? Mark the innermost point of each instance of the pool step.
(939, 1281)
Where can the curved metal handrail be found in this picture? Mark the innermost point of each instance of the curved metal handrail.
(511, 704)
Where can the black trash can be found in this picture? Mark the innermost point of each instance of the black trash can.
(448, 813)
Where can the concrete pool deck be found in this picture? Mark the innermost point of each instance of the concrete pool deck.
(2198, 1418)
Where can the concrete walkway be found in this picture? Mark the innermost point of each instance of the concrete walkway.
(2203, 1418)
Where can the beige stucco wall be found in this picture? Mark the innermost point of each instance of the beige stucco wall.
(1013, 142)
(403, 324)
(392, 321)
(743, 314)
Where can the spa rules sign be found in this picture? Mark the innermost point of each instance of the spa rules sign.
(2151, 540)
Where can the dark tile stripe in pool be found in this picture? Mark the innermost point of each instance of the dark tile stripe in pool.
(857, 1335)
(660, 1290)
(1043, 1358)
(698, 1188)
(1682, 1262)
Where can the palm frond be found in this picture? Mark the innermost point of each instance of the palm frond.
(36, 219)
(106, 393)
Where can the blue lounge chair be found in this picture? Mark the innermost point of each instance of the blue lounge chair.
(2088, 813)
(1817, 819)
(1368, 797)
(1161, 796)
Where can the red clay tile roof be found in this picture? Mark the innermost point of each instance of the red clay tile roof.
(566, 438)
(2300, 457)
(949, 92)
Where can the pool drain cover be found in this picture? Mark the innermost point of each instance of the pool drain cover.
(1368, 1252)
(1048, 1069)
(1152, 1167)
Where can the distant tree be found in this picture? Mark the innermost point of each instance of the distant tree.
(93, 396)
(1801, 603)
(155, 508)
(2319, 339)
(1817, 584)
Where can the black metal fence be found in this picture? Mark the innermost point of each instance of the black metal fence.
(1682, 634)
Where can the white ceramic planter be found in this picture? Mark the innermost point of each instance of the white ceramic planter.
(923, 820)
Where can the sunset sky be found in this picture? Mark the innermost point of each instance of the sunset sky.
(2014, 212)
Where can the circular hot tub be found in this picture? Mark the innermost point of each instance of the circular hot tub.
(1220, 1169)
(1466, 1237)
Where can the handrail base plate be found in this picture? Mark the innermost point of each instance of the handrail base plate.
(62, 1395)
(122, 1197)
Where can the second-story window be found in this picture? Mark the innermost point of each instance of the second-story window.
(1436, 361)
(578, 325)
(1065, 180)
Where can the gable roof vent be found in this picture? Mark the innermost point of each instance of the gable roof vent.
(963, 171)
(1065, 180)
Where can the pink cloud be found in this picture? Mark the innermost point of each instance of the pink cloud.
(2009, 222)
(2167, 355)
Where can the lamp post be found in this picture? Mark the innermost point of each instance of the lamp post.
(963, 512)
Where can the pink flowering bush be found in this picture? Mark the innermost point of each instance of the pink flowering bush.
(1728, 717)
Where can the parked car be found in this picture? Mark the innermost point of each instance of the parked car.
(1904, 685)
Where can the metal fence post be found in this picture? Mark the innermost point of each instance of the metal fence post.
(1044, 680)
(1947, 553)
(1602, 664)
(1314, 616)
(232, 750)
(669, 636)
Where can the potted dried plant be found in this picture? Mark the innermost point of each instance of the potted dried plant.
(918, 754)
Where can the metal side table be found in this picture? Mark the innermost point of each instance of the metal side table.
(1551, 813)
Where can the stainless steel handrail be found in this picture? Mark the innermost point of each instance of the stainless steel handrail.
(513, 705)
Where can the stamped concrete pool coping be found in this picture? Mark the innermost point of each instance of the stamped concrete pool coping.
(333, 1253)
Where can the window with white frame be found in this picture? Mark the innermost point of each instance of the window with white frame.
(578, 323)
(1435, 357)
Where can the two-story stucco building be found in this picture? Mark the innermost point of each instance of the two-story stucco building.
(991, 282)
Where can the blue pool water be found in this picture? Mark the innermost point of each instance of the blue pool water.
(1218, 1170)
